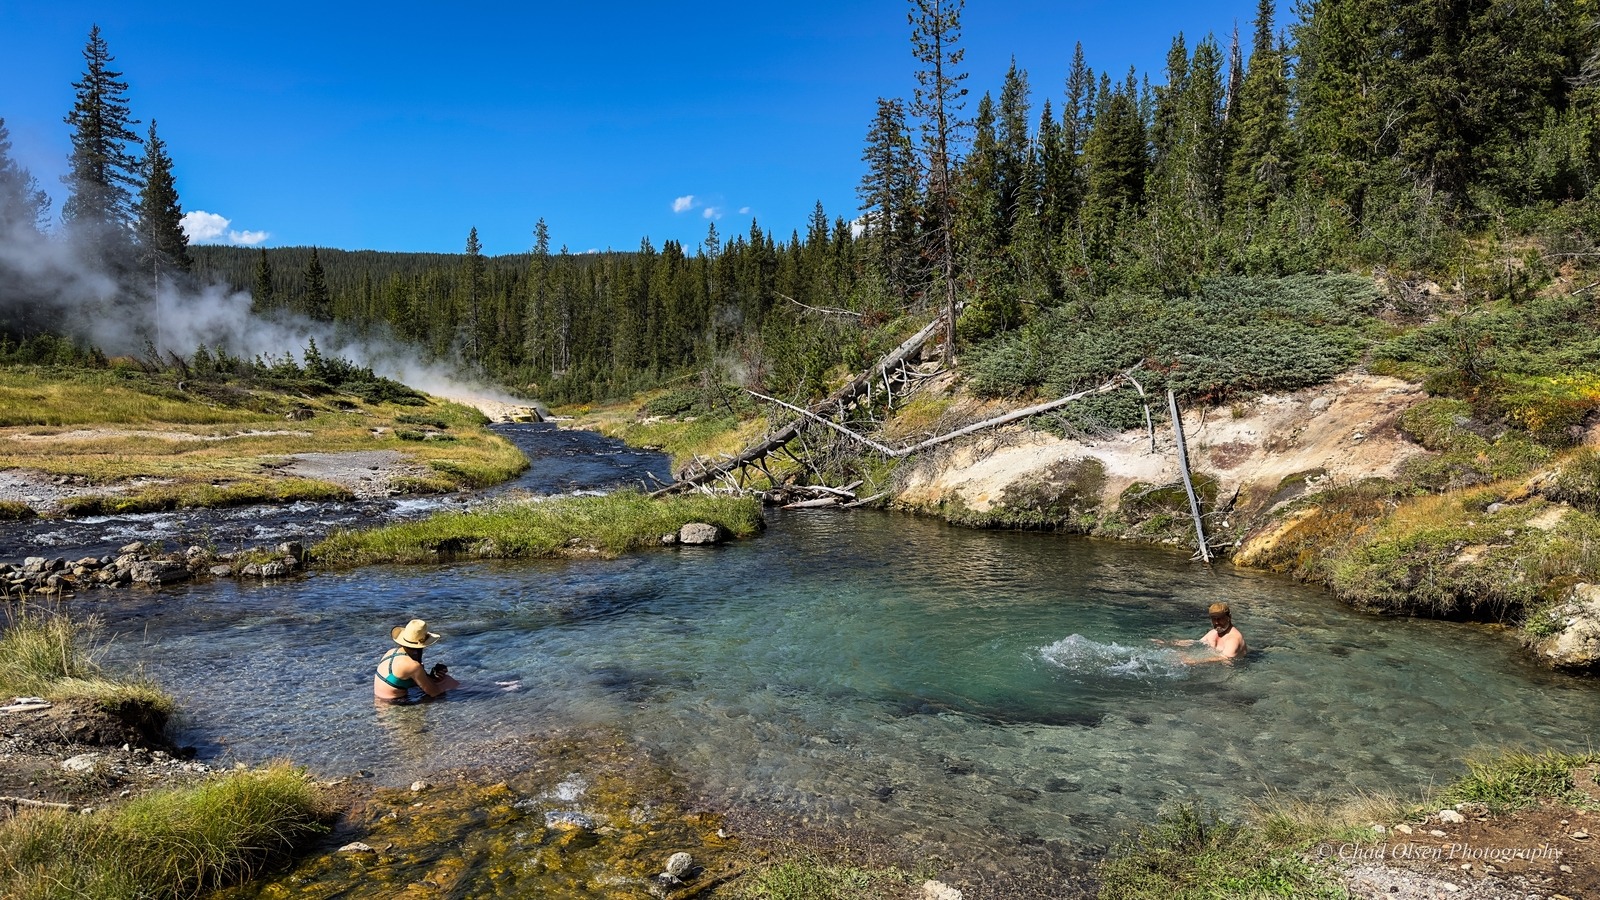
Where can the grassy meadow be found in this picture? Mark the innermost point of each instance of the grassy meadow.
(155, 445)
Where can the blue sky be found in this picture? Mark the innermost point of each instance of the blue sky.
(400, 126)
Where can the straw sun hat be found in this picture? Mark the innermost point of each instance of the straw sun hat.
(413, 634)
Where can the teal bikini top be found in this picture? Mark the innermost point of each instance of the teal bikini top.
(388, 675)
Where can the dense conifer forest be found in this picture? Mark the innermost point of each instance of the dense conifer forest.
(1455, 143)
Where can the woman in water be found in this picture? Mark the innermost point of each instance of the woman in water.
(401, 669)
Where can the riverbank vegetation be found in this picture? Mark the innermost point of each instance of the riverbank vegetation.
(1297, 849)
(50, 655)
(136, 435)
(526, 528)
(171, 844)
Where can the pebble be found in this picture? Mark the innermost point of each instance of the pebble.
(418, 787)
(356, 847)
(1403, 828)
(1451, 817)
(938, 890)
(1580, 835)
(83, 762)
(678, 864)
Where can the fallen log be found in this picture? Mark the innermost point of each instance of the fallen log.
(834, 402)
(813, 504)
(1014, 415)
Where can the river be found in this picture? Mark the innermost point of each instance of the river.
(878, 670)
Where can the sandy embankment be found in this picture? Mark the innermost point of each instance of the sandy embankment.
(1345, 428)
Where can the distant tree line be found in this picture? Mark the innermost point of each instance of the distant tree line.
(1364, 134)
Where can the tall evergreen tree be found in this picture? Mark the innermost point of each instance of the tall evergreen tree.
(23, 204)
(537, 319)
(318, 303)
(103, 171)
(1015, 163)
(938, 102)
(1260, 152)
(474, 294)
(163, 246)
(264, 294)
(888, 194)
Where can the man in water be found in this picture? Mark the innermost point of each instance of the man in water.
(1223, 639)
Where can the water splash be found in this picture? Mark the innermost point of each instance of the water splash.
(1080, 655)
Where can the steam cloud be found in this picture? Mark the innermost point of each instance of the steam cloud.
(48, 284)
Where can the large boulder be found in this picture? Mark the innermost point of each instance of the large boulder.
(158, 571)
(700, 534)
(1568, 633)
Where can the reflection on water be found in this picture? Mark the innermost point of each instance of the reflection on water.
(881, 670)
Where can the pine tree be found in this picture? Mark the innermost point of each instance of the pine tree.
(264, 295)
(103, 171)
(474, 294)
(1258, 131)
(1015, 163)
(318, 304)
(22, 203)
(935, 32)
(888, 193)
(537, 318)
(163, 246)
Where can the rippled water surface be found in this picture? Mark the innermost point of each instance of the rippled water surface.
(873, 668)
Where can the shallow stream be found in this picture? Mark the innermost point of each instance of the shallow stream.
(861, 668)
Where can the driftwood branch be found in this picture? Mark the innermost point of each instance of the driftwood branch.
(39, 804)
(825, 310)
(1188, 483)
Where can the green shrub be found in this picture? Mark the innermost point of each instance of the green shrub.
(13, 511)
(1232, 337)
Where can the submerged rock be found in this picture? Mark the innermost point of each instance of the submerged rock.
(678, 864)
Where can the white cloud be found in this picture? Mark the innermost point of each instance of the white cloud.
(683, 204)
(858, 227)
(713, 212)
(591, 251)
(744, 210)
(201, 226)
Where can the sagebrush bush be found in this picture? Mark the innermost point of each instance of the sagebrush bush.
(1232, 337)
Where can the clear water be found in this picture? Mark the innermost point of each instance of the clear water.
(884, 671)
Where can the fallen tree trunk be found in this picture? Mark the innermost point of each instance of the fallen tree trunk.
(836, 401)
(1012, 416)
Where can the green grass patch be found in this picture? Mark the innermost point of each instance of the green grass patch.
(51, 655)
(809, 877)
(1519, 778)
(523, 529)
(15, 511)
(1190, 854)
(211, 496)
(168, 845)
(1449, 557)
